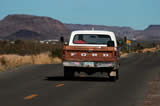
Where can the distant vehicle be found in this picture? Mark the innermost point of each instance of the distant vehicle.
(91, 51)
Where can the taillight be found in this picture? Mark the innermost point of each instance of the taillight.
(63, 54)
(115, 53)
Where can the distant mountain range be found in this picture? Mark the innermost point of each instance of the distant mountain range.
(120, 31)
(31, 27)
(150, 33)
(28, 27)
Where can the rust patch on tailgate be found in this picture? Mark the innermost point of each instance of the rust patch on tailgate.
(85, 53)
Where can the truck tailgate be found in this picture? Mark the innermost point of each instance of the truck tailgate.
(92, 53)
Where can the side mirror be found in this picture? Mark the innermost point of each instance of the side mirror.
(62, 39)
(110, 44)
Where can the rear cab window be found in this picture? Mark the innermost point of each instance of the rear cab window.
(95, 39)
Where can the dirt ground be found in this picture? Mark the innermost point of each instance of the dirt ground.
(153, 96)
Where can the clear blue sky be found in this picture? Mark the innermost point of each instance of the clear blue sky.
(137, 14)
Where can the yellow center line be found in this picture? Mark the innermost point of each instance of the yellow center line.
(59, 85)
(82, 75)
(30, 97)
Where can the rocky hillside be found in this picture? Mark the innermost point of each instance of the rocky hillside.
(150, 33)
(120, 31)
(35, 27)
(31, 27)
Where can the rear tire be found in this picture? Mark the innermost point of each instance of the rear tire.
(68, 73)
(117, 76)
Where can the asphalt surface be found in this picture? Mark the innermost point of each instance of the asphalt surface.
(44, 85)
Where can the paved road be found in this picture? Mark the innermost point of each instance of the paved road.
(44, 85)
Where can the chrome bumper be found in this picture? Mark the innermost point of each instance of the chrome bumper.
(90, 64)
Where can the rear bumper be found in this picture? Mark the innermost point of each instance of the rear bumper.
(113, 65)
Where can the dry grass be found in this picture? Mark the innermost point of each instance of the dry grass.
(149, 50)
(123, 55)
(145, 50)
(13, 60)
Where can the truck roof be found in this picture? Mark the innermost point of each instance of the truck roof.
(91, 31)
(111, 34)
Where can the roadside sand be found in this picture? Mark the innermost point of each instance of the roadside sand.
(13, 60)
(153, 96)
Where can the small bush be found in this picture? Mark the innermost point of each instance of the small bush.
(56, 53)
(22, 48)
(3, 61)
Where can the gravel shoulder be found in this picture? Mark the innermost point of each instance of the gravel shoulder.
(153, 96)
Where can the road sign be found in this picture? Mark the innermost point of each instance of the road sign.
(128, 42)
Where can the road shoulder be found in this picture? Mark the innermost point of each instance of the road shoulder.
(153, 96)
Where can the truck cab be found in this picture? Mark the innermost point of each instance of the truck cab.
(91, 51)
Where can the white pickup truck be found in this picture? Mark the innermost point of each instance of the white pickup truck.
(91, 51)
